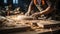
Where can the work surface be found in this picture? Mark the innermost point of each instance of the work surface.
(26, 25)
(23, 23)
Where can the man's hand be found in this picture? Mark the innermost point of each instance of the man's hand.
(27, 14)
(36, 14)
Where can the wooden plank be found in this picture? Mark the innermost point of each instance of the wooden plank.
(14, 29)
(43, 31)
(43, 23)
(48, 24)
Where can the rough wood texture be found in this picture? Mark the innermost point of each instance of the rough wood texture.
(47, 31)
(20, 24)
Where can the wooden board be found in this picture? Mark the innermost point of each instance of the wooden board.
(44, 23)
(47, 31)
(49, 24)
(14, 29)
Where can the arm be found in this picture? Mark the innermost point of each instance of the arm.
(46, 11)
(29, 8)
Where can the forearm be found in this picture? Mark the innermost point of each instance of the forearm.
(49, 9)
(29, 8)
(46, 11)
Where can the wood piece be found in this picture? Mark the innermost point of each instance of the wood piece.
(48, 24)
(15, 29)
(47, 31)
